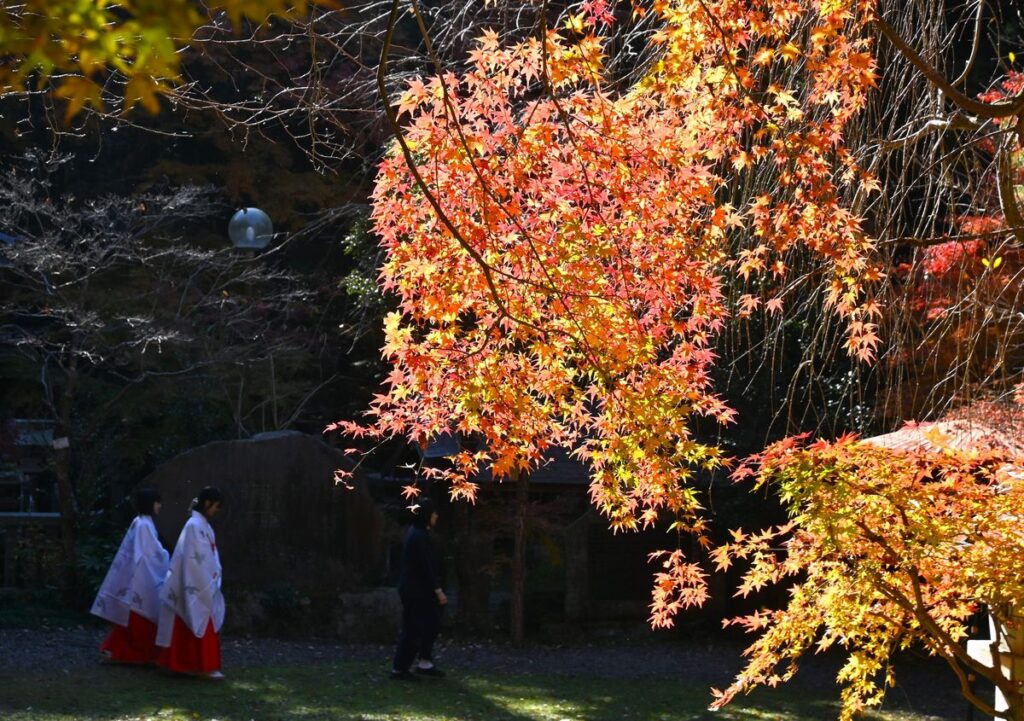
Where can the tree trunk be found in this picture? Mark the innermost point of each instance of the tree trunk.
(519, 556)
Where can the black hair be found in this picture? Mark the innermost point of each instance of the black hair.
(207, 497)
(145, 498)
(421, 511)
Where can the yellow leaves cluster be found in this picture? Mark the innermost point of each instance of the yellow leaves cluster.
(73, 44)
(789, 75)
(885, 548)
(579, 62)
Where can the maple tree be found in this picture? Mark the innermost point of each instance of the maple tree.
(558, 250)
(566, 250)
(885, 548)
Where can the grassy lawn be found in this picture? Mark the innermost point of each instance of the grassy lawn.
(359, 692)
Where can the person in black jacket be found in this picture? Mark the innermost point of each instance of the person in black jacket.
(419, 587)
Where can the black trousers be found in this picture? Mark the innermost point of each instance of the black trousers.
(421, 620)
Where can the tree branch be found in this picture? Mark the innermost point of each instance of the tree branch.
(986, 110)
(1004, 180)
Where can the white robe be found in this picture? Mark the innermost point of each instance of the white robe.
(135, 577)
(192, 590)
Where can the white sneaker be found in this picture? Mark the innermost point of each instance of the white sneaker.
(215, 676)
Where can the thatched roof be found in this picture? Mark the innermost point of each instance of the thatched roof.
(983, 425)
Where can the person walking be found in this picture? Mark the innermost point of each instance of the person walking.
(192, 605)
(129, 596)
(422, 598)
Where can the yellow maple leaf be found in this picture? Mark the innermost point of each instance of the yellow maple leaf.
(574, 23)
(790, 52)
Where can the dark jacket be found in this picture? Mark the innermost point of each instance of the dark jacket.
(418, 577)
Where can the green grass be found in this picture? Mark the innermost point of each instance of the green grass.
(360, 692)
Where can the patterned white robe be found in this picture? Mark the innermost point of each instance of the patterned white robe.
(135, 577)
(192, 590)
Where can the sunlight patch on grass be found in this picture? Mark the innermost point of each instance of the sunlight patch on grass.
(362, 692)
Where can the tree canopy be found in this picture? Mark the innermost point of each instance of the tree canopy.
(561, 261)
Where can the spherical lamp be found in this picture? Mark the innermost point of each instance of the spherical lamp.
(250, 228)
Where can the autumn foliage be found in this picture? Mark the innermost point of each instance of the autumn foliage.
(559, 247)
(885, 548)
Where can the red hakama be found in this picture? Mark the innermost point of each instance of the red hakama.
(134, 643)
(188, 654)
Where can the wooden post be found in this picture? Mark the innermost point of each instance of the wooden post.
(577, 567)
(10, 558)
(1011, 658)
(1007, 658)
(473, 550)
(62, 469)
(519, 555)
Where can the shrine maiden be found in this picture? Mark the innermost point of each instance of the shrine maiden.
(130, 594)
(192, 606)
